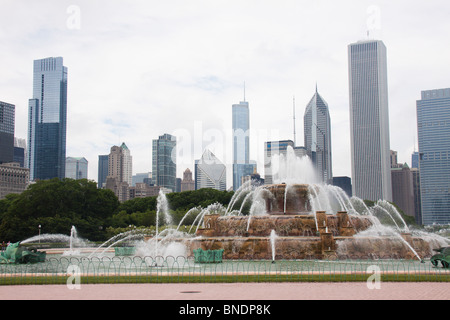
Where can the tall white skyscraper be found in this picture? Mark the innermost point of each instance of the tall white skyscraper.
(317, 135)
(369, 120)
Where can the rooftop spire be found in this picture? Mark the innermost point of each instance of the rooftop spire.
(295, 139)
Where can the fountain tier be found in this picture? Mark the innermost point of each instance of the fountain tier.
(300, 233)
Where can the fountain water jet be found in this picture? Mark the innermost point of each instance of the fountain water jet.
(273, 237)
(73, 237)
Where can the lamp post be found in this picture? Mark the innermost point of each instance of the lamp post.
(39, 234)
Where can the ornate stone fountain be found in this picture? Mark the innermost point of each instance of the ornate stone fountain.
(301, 233)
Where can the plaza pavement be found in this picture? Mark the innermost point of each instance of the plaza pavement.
(232, 291)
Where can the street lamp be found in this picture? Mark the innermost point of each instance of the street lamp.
(39, 234)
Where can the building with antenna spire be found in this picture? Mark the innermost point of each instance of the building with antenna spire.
(242, 166)
(295, 134)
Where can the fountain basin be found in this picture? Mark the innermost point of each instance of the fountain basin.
(302, 236)
(320, 247)
(284, 225)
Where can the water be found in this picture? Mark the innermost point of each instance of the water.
(47, 237)
(291, 169)
(273, 237)
(73, 237)
(258, 207)
(171, 243)
(393, 213)
(131, 234)
(378, 232)
(195, 210)
(247, 186)
(73, 241)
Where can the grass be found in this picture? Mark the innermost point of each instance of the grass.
(222, 278)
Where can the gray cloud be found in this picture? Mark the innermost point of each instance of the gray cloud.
(138, 69)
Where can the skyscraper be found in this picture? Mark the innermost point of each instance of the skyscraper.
(7, 112)
(164, 164)
(127, 164)
(241, 143)
(47, 120)
(369, 120)
(117, 173)
(317, 135)
(102, 170)
(20, 152)
(433, 126)
(76, 168)
(403, 188)
(210, 172)
(187, 184)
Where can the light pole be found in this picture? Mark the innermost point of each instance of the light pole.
(39, 234)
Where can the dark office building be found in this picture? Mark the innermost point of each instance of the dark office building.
(7, 112)
(345, 183)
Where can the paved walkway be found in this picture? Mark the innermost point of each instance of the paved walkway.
(232, 291)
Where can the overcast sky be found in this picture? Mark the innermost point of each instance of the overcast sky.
(139, 69)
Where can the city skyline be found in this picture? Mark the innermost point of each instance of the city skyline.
(141, 70)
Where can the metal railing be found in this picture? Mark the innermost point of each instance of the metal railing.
(136, 269)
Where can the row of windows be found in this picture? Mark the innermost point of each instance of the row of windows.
(443, 155)
(434, 191)
(6, 118)
(433, 124)
(13, 178)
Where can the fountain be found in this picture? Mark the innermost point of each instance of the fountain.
(309, 220)
(295, 218)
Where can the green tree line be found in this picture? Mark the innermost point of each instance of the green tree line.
(57, 205)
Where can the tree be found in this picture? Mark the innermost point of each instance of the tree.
(56, 205)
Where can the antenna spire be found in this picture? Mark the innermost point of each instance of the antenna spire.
(293, 107)
(244, 91)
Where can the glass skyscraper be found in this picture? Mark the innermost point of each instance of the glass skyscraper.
(47, 120)
(369, 120)
(102, 170)
(76, 168)
(7, 112)
(317, 135)
(433, 126)
(164, 164)
(241, 144)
